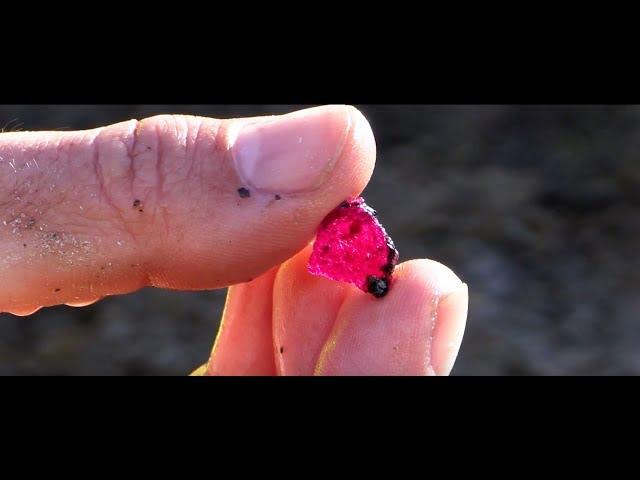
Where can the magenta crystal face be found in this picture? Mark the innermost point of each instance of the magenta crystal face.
(351, 246)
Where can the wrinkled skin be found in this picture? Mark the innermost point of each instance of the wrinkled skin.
(156, 203)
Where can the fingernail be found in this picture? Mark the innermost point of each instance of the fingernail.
(451, 318)
(290, 153)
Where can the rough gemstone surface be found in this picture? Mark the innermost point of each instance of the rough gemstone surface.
(352, 246)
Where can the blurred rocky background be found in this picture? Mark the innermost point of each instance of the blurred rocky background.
(535, 207)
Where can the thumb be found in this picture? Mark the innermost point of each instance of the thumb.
(170, 201)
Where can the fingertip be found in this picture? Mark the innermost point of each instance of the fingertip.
(362, 147)
(436, 278)
(451, 320)
(407, 332)
(450, 298)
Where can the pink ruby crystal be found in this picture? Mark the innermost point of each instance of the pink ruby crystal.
(351, 246)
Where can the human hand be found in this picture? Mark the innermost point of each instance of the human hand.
(157, 203)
